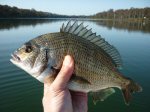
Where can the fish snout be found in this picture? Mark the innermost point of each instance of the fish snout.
(15, 57)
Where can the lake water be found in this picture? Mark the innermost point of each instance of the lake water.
(19, 92)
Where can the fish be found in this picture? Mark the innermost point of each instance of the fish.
(96, 62)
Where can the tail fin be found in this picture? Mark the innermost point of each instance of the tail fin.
(129, 89)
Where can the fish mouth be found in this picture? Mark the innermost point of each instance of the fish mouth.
(15, 58)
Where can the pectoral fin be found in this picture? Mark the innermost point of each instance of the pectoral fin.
(102, 94)
(79, 79)
(74, 77)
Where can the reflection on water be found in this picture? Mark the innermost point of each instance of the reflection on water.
(143, 26)
(19, 92)
(126, 25)
(15, 23)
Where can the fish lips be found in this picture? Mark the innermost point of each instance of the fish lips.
(15, 58)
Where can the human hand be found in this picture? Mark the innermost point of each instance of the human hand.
(58, 98)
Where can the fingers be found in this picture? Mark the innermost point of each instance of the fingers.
(65, 73)
(79, 101)
(46, 86)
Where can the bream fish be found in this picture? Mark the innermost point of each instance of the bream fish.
(96, 61)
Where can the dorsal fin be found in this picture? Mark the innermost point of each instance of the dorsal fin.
(81, 31)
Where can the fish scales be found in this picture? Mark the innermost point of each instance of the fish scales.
(93, 64)
(96, 61)
(78, 48)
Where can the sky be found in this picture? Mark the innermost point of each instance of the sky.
(76, 7)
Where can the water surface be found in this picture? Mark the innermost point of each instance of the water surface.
(19, 92)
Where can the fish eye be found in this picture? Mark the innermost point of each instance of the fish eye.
(28, 49)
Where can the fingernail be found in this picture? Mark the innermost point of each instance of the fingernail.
(67, 61)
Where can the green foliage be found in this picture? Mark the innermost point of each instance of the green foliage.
(132, 13)
(14, 12)
(121, 14)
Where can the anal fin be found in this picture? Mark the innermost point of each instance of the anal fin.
(102, 94)
(127, 96)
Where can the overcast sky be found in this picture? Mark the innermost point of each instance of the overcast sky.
(76, 7)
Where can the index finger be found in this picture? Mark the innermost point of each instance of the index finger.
(65, 73)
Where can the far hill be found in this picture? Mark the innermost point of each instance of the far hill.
(120, 14)
(125, 14)
(14, 12)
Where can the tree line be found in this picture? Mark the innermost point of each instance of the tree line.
(132, 13)
(121, 14)
(14, 12)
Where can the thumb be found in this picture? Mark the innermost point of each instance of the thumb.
(65, 73)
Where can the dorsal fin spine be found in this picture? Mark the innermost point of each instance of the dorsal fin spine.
(72, 28)
(84, 28)
(107, 47)
(86, 33)
(76, 30)
(82, 32)
(90, 37)
(62, 28)
(67, 26)
(89, 32)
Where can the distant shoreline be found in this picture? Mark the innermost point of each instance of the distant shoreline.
(80, 19)
(132, 14)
